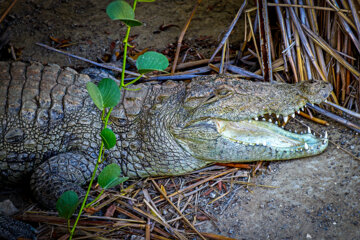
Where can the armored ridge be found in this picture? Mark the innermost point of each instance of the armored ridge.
(50, 127)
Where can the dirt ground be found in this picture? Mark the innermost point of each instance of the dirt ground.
(315, 198)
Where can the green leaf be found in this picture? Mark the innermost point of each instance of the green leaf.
(95, 95)
(110, 92)
(151, 61)
(109, 176)
(67, 204)
(146, 0)
(121, 10)
(108, 137)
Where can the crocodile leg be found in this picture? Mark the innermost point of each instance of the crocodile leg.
(60, 173)
(11, 229)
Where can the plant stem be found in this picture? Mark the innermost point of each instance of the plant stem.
(105, 125)
(87, 192)
(92, 178)
(133, 81)
(124, 56)
(126, 44)
(98, 196)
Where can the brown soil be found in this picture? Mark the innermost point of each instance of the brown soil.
(315, 198)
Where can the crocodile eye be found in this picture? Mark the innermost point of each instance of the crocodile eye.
(223, 92)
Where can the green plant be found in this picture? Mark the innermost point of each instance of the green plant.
(106, 95)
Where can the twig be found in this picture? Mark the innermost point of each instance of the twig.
(7, 10)
(228, 32)
(179, 212)
(305, 42)
(107, 66)
(324, 45)
(243, 72)
(265, 47)
(336, 118)
(179, 43)
(354, 114)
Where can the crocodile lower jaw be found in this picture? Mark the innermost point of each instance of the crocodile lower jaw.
(269, 135)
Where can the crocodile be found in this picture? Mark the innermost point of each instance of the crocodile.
(49, 126)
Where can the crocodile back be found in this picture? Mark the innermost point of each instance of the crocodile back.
(37, 104)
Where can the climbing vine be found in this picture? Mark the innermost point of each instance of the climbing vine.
(106, 95)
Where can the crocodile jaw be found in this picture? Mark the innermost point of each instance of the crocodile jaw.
(216, 140)
(283, 144)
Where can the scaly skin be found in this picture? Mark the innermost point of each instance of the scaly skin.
(50, 127)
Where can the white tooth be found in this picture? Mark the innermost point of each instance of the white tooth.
(282, 126)
(256, 118)
(249, 120)
(276, 123)
(264, 143)
(263, 119)
(306, 146)
(270, 120)
(302, 109)
(325, 100)
(293, 115)
(326, 135)
(298, 111)
(277, 115)
(295, 131)
(286, 119)
(309, 130)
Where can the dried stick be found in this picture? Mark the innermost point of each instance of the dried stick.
(179, 212)
(305, 6)
(253, 37)
(336, 118)
(231, 27)
(355, 15)
(265, 47)
(179, 43)
(352, 113)
(286, 41)
(107, 66)
(305, 42)
(345, 22)
(315, 27)
(324, 45)
(7, 10)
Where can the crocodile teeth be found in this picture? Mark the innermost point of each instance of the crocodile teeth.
(277, 115)
(306, 146)
(276, 123)
(295, 131)
(270, 120)
(302, 109)
(326, 135)
(309, 130)
(256, 119)
(293, 115)
(286, 119)
(298, 111)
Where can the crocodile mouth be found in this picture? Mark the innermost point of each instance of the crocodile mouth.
(270, 135)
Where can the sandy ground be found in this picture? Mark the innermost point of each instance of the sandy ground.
(315, 198)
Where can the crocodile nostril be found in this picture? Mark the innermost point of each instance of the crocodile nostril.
(14, 135)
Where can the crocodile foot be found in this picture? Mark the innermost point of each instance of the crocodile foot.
(11, 229)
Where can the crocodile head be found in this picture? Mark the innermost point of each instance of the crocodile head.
(233, 120)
